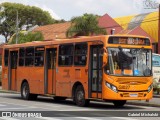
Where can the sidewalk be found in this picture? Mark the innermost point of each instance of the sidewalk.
(154, 102)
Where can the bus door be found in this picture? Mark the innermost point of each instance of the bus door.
(50, 70)
(96, 71)
(12, 70)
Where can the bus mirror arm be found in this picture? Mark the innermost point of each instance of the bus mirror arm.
(104, 64)
(105, 57)
(104, 50)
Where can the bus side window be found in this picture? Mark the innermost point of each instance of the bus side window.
(80, 54)
(21, 56)
(39, 56)
(6, 54)
(65, 55)
(29, 59)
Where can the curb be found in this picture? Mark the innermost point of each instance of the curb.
(6, 91)
(156, 96)
(144, 104)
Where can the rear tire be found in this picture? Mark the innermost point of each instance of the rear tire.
(80, 97)
(119, 103)
(25, 92)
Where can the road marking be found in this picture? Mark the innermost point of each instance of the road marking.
(76, 110)
(66, 115)
(48, 118)
(124, 118)
(2, 105)
(11, 108)
(27, 106)
(84, 118)
(15, 104)
(87, 118)
(31, 106)
(101, 115)
(8, 118)
(139, 106)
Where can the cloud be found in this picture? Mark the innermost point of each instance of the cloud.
(41, 4)
(66, 9)
(3, 1)
(16, 1)
(2, 39)
(53, 14)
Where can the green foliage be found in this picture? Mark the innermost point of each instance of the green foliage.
(27, 37)
(27, 15)
(84, 26)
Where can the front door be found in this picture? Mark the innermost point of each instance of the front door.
(96, 71)
(12, 70)
(50, 70)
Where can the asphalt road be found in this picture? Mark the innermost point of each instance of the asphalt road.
(12, 104)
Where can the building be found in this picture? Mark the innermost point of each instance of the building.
(141, 24)
(54, 31)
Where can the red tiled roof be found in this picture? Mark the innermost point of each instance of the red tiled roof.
(50, 32)
(109, 23)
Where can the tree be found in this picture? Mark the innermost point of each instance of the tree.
(84, 26)
(24, 37)
(27, 16)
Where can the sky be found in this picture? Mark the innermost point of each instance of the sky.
(66, 9)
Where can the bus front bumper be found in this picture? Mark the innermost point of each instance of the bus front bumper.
(125, 95)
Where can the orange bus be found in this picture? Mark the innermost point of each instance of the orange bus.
(112, 68)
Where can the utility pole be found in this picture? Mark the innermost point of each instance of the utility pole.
(17, 26)
(159, 30)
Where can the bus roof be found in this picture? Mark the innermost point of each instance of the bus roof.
(71, 40)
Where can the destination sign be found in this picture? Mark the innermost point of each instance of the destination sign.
(129, 40)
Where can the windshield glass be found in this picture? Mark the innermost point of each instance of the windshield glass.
(129, 62)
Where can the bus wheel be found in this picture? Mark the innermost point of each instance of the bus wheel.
(80, 97)
(57, 98)
(25, 92)
(119, 103)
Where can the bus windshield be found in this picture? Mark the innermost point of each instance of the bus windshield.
(129, 62)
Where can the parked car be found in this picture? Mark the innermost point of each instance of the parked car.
(156, 72)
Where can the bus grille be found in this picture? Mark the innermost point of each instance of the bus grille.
(128, 95)
(132, 81)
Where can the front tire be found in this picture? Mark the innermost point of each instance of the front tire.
(25, 92)
(119, 103)
(80, 97)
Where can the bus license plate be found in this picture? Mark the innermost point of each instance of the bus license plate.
(133, 95)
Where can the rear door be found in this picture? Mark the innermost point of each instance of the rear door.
(13, 70)
(50, 70)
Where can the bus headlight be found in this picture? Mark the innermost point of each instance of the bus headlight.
(150, 88)
(112, 87)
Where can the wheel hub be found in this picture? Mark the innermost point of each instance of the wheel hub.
(80, 96)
